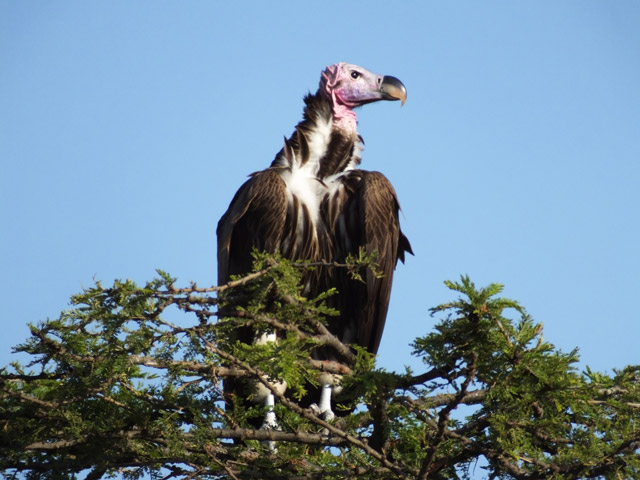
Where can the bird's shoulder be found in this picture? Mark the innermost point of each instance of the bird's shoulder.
(263, 192)
(357, 181)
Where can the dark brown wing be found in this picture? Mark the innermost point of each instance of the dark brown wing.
(255, 219)
(367, 216)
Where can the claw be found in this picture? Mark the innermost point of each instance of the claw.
(328, 415)
(315, 409)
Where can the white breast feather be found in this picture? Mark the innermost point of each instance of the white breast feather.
(302, 181)
(318, 142)
(304, 185)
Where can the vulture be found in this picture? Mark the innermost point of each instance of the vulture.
(314, 203)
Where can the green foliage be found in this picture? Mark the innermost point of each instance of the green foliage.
(117, 388)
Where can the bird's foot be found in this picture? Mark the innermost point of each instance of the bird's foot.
(270, 423)
(327, 415)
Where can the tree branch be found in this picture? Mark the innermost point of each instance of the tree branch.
(308, 414)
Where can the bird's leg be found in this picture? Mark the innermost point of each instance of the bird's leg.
(328, 384)
(270, 422)
(266, 395)
(324, 405)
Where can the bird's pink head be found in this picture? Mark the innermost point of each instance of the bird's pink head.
(349, 86)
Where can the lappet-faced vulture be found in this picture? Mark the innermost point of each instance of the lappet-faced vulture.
(315, 203)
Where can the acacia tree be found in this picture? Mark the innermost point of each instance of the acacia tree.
(128, 383)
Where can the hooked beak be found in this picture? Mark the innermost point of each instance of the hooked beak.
(393, 89)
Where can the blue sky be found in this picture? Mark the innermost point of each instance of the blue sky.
(126, 127)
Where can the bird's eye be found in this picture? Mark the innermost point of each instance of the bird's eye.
(354, 74)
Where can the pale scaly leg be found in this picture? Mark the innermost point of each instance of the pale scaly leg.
(324, 405)
(270, 422)
(263, 393)
(329, 384)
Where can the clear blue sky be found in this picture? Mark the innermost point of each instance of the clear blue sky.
(126, 127)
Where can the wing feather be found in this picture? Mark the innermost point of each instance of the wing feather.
(255, 219)
(368, 217)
